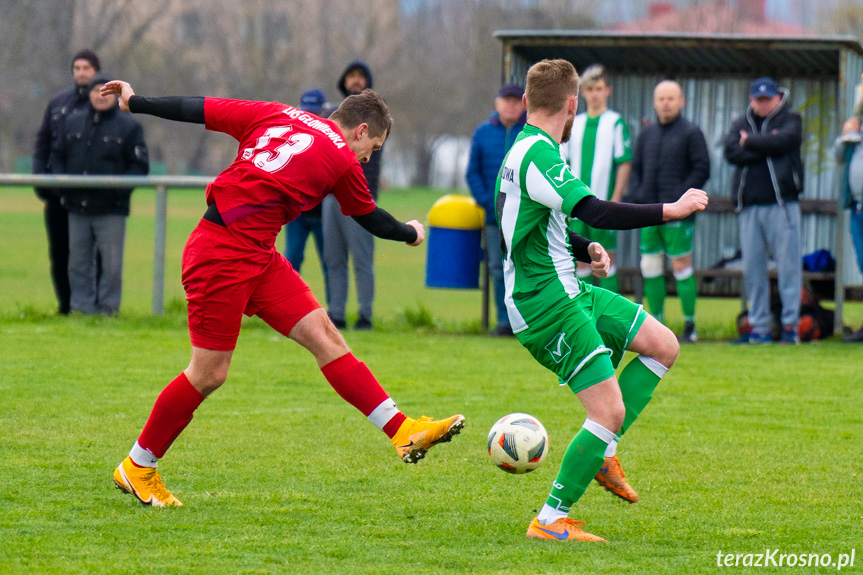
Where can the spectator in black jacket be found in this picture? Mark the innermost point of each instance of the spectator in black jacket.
(99, 139)
(342, 235)
(669, 158)
(85, 64)
(764, 146)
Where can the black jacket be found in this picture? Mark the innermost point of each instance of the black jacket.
(372, 168)
(61, 105)
(92, 143)
(769, 169)
(668, 159)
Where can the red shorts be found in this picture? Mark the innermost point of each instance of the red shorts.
(225, 279)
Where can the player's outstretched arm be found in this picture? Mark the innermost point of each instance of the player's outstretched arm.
(380, 223)
(620, 216)
(177, 108)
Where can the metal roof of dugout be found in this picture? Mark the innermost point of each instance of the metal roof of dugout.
(820, 73)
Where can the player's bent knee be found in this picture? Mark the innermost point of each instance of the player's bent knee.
(610, 415)
(616, 416)
(669, 348)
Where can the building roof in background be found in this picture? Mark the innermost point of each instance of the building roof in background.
(685, 53)
(718, 16)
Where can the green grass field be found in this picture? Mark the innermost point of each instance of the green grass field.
(742, 449)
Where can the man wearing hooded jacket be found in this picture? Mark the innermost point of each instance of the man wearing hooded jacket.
(343, 236)
(764, 146)
(85, 64)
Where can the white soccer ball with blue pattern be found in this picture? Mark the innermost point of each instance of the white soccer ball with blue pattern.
(517, 443)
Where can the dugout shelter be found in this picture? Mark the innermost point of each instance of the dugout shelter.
(821, 75)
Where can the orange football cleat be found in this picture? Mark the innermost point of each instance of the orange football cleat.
(144, 483)
(612, 477)
(565, 529)
(416, 436)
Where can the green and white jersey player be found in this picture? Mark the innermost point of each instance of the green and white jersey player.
(576, 330)
(599, 154)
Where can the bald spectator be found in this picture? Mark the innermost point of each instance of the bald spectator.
(670, 156)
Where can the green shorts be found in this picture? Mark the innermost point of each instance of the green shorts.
(582, 340)
(605, 238)
(673, 238)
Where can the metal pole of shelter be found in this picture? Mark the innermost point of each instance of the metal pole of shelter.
(839, 256)
(159, 233)
(485, 281)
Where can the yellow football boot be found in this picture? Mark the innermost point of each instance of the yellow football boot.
(612, 477)
(416, 436)
(565, 529)
(145, 484)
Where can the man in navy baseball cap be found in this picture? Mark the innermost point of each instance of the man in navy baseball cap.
(313, 101)
(764, 88)
(510, 91)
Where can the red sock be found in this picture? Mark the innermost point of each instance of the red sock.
(172, 412)
(353, 381)
(393, 424)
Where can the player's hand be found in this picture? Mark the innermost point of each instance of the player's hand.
(693, 200)
(600, 263)
(744, 135)
(851, 125)
(121, 88)
(421, 233)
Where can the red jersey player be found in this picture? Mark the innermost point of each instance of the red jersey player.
(288, 160)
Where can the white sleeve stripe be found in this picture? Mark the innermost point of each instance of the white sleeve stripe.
(540, 190)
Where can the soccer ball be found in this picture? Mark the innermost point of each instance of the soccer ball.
(517, 443)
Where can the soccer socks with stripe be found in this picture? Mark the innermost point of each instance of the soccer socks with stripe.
(354, 382)
(171, 413)
(581, 462)
(654, 293)
(637, 382)
(686, 291)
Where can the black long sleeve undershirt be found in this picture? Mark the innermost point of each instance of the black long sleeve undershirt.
(178, 108)
(604, 215)
(382, 224)
(579, 247)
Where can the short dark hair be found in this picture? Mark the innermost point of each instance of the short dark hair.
(367, 107)
(549, 84)
(90, 56)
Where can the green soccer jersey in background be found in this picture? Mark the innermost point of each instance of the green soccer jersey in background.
(595, 149)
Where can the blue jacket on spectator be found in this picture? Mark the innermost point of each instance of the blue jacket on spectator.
(491, 141)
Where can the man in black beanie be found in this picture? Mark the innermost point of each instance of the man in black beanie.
(85, 64)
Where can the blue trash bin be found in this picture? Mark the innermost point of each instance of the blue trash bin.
(454, 243)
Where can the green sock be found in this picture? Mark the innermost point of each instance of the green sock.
(581, 462)
(610, 283)
(654, 292)
(686, 291)
(637, 382)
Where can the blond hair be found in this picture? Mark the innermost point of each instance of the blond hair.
(550, 83)
(595, 73)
